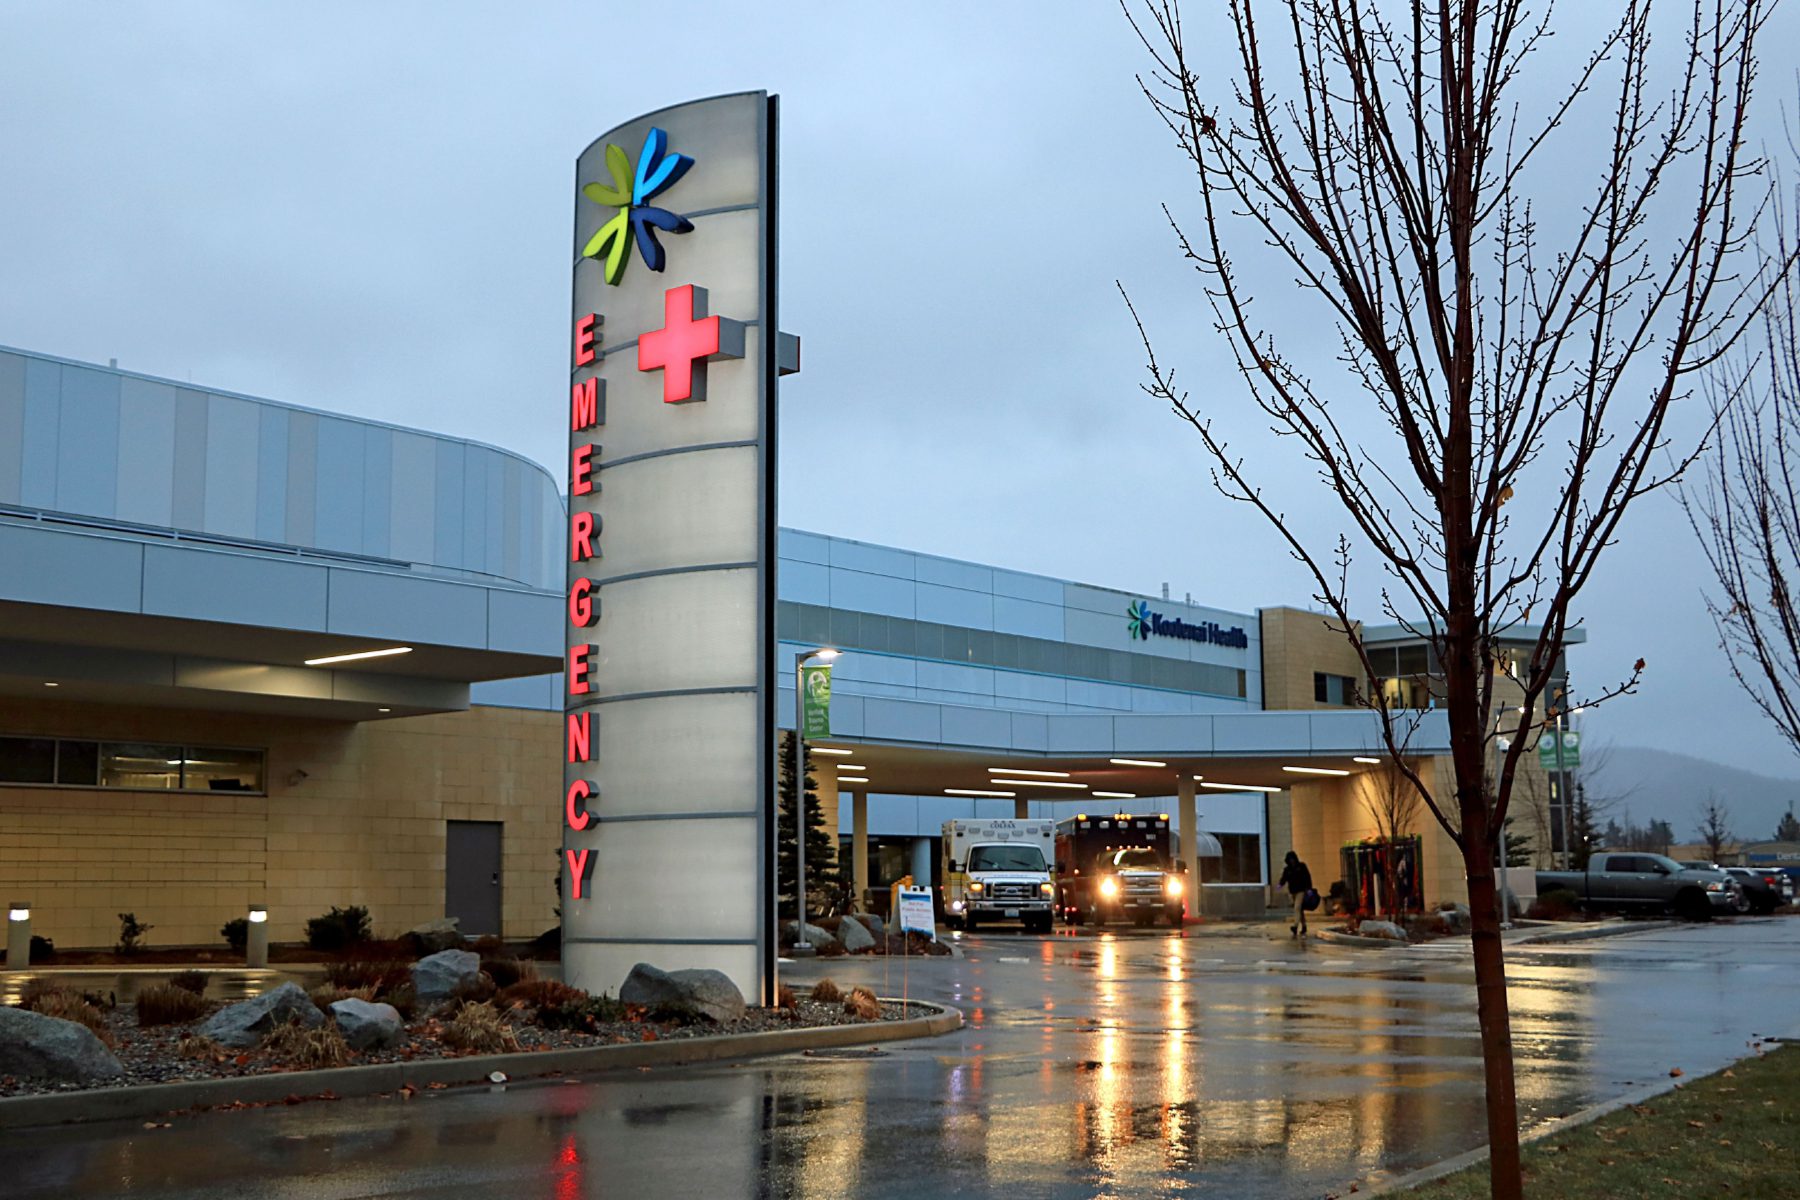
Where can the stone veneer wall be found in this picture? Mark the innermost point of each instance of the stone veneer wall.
(364, 825)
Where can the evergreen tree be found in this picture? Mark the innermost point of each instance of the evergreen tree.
(821, 841)
(1585, 836)
(1789, 829)
(1518, 847)
(1661, 836)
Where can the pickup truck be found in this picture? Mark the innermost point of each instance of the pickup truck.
(1638, 882)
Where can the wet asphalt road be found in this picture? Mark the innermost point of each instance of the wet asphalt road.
(1139, 1064)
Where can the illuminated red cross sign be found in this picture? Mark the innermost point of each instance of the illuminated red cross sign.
(688, 340)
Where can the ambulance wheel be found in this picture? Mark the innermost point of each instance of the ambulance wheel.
(969, 923)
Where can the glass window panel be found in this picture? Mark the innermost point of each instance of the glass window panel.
(874, 631)
(218, 769)
(1412, 660)
(139, 765)
(845, 629)
(1009, 650)
(78, 763)
(27, 760)
(928, 639)
(787, 621)
(902, 636)
(981, 646)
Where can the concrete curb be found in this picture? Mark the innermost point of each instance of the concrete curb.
(1583, 933)
(1351, 939)
(104, 1104)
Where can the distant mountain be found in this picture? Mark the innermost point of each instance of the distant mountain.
(1663, 785)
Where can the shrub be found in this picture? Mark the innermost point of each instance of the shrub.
(379, 974)
(326, 995)
(861, 1002)
(785, 998)
(50, 1000)
(478, 990)
(826, 992)
(339, 929)
(192, 1045)
(236, 933)
(539, 994)
(43, 950)
(506, 970)
(479, 1029)
(131, 933)
(295, 1045)
(193, 981)
(166, 1004)
(584, 1015)
(405, 1000)
(1556, 904)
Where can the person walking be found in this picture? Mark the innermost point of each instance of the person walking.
(1297, 879)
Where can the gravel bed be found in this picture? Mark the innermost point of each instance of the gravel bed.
(154, 1054)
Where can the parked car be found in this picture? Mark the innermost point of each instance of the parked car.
(1764, 891)
(1638, 882)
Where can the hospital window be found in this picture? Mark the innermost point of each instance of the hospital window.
(1334, 689)
(1241, 861)
(139, 766)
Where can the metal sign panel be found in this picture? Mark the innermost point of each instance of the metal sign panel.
(669, 703)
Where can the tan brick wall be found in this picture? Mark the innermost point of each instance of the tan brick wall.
(1328, 814)
(364, 824)
(1296, 643)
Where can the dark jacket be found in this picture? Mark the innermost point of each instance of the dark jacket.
(1295, 878)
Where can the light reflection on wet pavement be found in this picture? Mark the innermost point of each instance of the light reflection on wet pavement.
(1129, 1065)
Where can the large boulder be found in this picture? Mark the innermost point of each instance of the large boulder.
(1457, 917)
(437, 976)
(1381, 929)
(433, 936)
(40, 1047)
(367, 1026)
(243, 1025)
(696, 992)
(872, 923)
(854, 936)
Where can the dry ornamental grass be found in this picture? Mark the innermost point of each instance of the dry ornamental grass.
(826, 992)
(167, 1004)
(297, 1046)
(479, 1029)
(861, 1002)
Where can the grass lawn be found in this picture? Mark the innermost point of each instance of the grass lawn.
(1736, 1133)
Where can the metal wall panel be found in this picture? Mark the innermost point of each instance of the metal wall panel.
(12, 425)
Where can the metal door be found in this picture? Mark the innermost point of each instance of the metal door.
(472, 876)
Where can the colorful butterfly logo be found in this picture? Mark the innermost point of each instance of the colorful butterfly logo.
(630, 192)
(1139, 626)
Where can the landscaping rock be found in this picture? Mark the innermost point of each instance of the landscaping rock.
(872, 923)
(35, 1046)
(817, 938)
(1458, 917)
(697, 992)
(241, 1026)
(433, 936)
(1381, 929)
(854, 936)
(367, 1026)
(438, 976)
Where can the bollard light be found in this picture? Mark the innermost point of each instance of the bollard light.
(256, 943)
(18, 935)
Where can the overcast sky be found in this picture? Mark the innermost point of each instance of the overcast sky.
(365, 208)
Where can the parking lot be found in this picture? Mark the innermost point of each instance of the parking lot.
(1128, 1062)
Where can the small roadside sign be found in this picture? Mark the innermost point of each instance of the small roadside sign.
(915, 912)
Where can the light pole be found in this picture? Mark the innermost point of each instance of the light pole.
(801, 946)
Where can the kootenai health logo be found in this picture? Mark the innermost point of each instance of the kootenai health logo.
(1140, 620)
(631, 192)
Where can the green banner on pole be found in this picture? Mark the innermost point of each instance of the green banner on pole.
(1571, 750)
(815, 702)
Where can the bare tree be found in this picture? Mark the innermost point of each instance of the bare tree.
(1394, 805)
(1715, 825)
(1745, 508)
(1521, 358)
